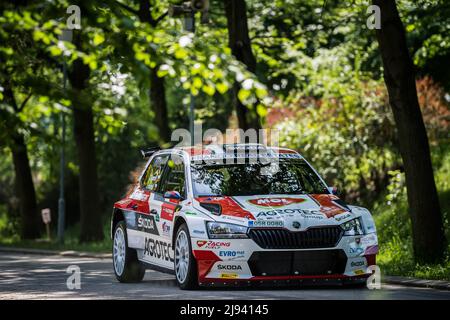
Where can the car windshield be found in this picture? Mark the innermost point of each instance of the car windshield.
(291, 176)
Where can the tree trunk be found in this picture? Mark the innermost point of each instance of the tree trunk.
(25, 189)
(159, 105)
(91, 225)
(240, 44)
(23, 177)
(427, 227)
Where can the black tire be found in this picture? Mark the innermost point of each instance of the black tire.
(133, 270)
(191, 280)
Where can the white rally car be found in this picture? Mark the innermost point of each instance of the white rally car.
(230, 215)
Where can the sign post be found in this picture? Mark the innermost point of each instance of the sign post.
(65, 36)
(47, 218)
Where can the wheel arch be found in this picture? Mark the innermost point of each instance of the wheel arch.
(117, 216)
(179, 220)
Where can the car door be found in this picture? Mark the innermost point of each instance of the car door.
(156, 251)
(138, 203)
(173, 180)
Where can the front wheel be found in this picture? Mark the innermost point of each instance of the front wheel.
(185, 263)
(127, 267)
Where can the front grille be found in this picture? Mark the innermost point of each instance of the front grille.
(313, 238)
(294, 263)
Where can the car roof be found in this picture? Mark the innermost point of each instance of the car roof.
(221, 149)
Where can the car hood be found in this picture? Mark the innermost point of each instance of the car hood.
(294, 212)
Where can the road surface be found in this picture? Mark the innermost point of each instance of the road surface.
(30, 276)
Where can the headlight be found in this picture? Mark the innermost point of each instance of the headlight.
(353, 228)
(218, 230)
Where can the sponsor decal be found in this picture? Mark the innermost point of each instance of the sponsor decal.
(327, 204)
(357, 250)
(190, 213)
(342, 217)
(229, 275)
(307, 214)
(215, 198)
(212, 244)
(265, 223)
(357, 263)
(167, 213)
(275, 202)
(146, 223)
(165, 228)
(198, 231)
(232, 254)
(229, 267)
(369, 239)
(236, 219)
(359, 272)
(201, 243)
(158, 249)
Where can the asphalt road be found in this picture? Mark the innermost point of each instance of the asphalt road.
(29, 276)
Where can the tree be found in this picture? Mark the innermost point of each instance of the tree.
(23, 177)
(157, 85)
(83, 120)
(399, 76)
(240, 44)
(157, 91)
(20, 65)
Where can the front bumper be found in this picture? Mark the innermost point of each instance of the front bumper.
(243, 262)
(293, 281)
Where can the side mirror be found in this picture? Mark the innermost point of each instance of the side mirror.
(333, 190)
(173, 195)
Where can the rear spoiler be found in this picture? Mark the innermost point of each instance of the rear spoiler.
(148, 152)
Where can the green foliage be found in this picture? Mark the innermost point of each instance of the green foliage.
(394, 227)
(428, 26)
(342, 124)
(119, 50)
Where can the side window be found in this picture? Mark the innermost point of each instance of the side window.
(174, 179)
(152, 177)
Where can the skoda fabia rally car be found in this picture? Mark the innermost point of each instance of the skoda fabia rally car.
(221, 215)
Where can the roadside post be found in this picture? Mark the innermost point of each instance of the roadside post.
(65, 36)
(46, 218)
